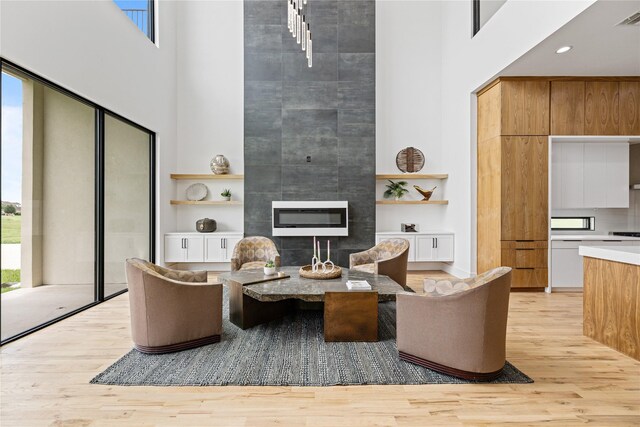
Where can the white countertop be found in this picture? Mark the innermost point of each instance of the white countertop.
(625, 254)
(591, 237)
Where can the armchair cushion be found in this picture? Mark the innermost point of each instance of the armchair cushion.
(433, 288)
(367, 268)
(252, 265)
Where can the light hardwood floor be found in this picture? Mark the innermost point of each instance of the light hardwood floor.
(45, 382)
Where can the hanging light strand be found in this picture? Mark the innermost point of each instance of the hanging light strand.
(299, 27)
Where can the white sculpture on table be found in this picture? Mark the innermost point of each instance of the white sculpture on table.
(316, 261)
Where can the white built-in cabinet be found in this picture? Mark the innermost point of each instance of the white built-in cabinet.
(200, 247)
(424, 247)
(566, 262)
(589, 175)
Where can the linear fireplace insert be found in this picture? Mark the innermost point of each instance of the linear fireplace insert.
(329, 218)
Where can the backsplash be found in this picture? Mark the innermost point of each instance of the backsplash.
(618, 219)
(309, 133)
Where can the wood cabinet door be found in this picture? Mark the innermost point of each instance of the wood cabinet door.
(567, 108)
(601, 108)
(525, 199)
(629, 108)
(525, 107)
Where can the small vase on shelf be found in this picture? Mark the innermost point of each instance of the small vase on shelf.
(219, 165)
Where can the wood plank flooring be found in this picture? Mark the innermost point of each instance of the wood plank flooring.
(45, 382)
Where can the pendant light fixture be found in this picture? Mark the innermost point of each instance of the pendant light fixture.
(299, 27)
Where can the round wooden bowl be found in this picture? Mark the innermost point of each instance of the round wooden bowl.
(305, 271)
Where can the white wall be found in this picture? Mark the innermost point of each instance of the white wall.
(467, 64)
(408, 100)
(210, 113)
(94, 50)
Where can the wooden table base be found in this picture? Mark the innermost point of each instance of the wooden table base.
(348, 316)
(246, 312)
(351, 316)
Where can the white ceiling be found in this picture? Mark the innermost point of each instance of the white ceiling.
(600, 48)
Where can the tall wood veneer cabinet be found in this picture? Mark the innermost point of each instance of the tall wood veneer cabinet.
(513, 129)
(596, 106)
(516, 115)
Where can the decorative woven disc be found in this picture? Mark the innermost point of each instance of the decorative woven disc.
(410, 160)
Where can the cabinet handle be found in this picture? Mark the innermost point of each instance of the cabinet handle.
(225, 243)
(436, 243)
(182, 243)
(186, 243)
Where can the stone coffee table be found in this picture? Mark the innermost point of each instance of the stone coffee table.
(348, 315)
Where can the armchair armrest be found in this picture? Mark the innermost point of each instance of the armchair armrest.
(235, 264)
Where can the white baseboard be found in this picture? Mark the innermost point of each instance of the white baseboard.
(455, 271)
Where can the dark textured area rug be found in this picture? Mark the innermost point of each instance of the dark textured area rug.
(287, 352)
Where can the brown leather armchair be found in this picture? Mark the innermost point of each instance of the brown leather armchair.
(457, 328)
(172, 310)
(254, 252)
(389, 257)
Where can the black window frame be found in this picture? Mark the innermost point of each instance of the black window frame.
(151, 20)
(589, 221)
(476, 16)
(99, 205)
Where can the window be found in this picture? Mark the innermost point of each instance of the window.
(483, 10)
(77, 195)
(586, 223)
(141, 13)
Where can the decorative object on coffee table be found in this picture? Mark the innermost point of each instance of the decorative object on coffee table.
(206, 225)
(316, 262)
(307, 272)
(197, 191)
(219, 165)
(426, 194)
(226, 194)
(410, 160)
(270, 268)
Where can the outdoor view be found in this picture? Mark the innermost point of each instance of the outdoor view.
(48, 193)
(11, 181)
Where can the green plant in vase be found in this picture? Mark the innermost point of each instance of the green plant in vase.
(270, 268)
(396, 189)
(226, 194)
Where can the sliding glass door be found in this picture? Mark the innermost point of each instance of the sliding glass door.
(77, 200)
(127, 174)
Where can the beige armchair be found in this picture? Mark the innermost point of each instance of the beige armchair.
(254, 252)
(388, 257)
(172, 310)
(457, 328)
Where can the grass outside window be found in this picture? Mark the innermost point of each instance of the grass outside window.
(11, 229)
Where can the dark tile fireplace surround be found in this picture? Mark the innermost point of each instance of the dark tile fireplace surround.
(309, 133)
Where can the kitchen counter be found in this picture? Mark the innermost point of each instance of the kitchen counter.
(611, 292)
(593, 237)
(623, 254)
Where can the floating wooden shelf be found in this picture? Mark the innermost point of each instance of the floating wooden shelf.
(196, 176)
(413, 176)
(412, 202)
(205, 202)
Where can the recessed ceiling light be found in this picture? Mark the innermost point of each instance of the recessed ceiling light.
(564, 49)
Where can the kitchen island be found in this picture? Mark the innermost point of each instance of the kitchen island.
(611, 305)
